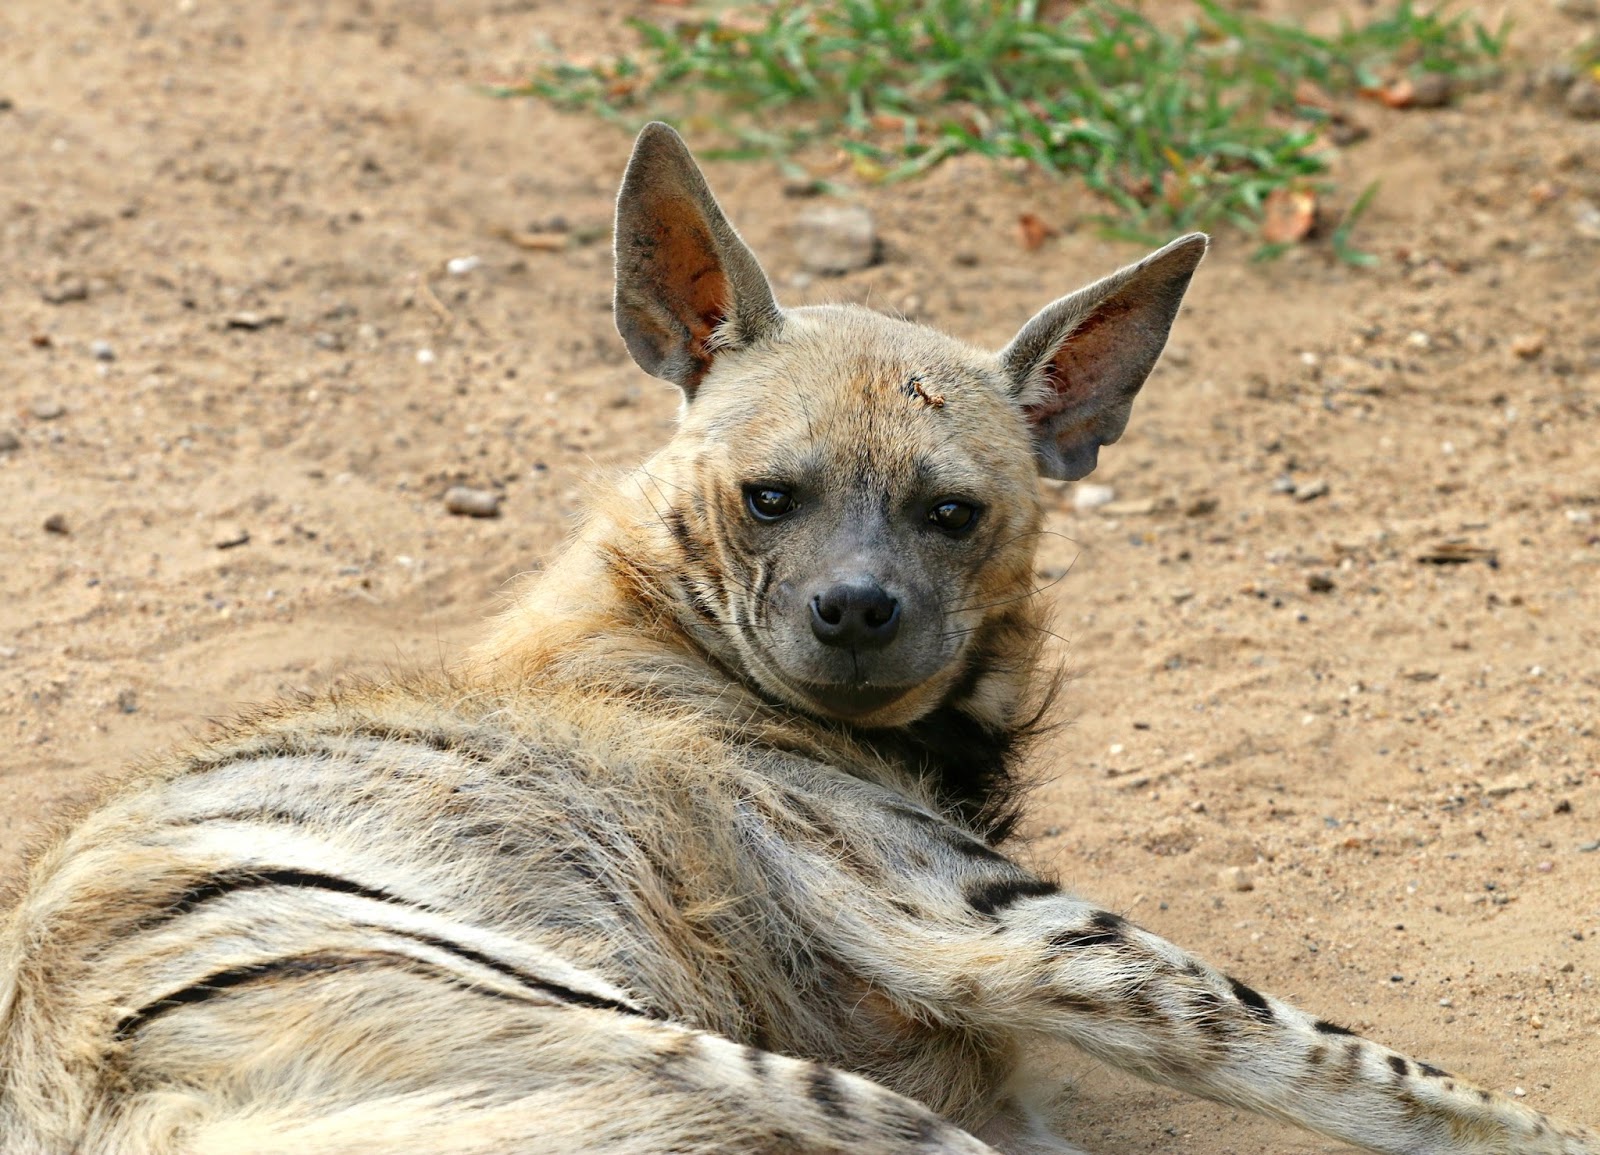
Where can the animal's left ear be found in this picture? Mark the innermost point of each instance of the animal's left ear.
(1077, 366)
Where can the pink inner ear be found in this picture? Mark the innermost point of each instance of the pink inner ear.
(1085, 364)
(1057, 394)
(691, 280)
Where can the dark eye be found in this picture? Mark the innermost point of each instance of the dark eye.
(768, 503)
(953, 516)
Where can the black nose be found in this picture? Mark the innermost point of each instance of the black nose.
(856, 615)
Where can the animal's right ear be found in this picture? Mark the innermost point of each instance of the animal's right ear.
(687, 286)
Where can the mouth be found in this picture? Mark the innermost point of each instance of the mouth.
(853, 701)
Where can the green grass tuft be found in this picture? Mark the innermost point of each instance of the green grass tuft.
(1173, 127)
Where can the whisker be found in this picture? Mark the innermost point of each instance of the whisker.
(960, 608)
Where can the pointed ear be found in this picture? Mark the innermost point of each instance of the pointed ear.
(687, 286)
(1077, 366)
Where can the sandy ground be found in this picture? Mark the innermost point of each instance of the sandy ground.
(252, 206)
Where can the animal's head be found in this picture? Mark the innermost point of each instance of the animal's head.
(848, 512)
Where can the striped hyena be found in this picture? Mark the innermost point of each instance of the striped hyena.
(697, 851)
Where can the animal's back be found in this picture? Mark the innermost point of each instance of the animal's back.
(417, 867)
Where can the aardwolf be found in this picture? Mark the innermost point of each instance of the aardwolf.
(697, 852)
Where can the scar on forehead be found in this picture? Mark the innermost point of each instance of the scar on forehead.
(915, 388)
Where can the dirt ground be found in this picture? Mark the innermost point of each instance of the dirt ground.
(239, 375)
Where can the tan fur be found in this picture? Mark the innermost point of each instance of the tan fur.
(624, 881)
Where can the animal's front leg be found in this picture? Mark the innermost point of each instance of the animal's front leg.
(959, 934)
(1057, 965)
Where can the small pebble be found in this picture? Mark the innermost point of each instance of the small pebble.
(65, 289)
(56, 523)
(1283, 484)
(1588, 847)
(467, 502)
(461, 266)
(127, 702)
(1236, 878)
(249, 320)
(1310, 490)
(1431, 90)
(1551, 81)
(9, 441)
(1320, 583)
(1344, 132)
(1089, 496)
(836, 238)
(1583, 99)
(1505, 786)
(1527, 346)
(426, 357)
(102, 351)
(48, 410)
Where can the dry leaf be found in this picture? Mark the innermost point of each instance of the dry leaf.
(1399, 93)
(868, 170)
(1289, 217)
(1313, 95)
(1174, 190)
(1034, 230)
